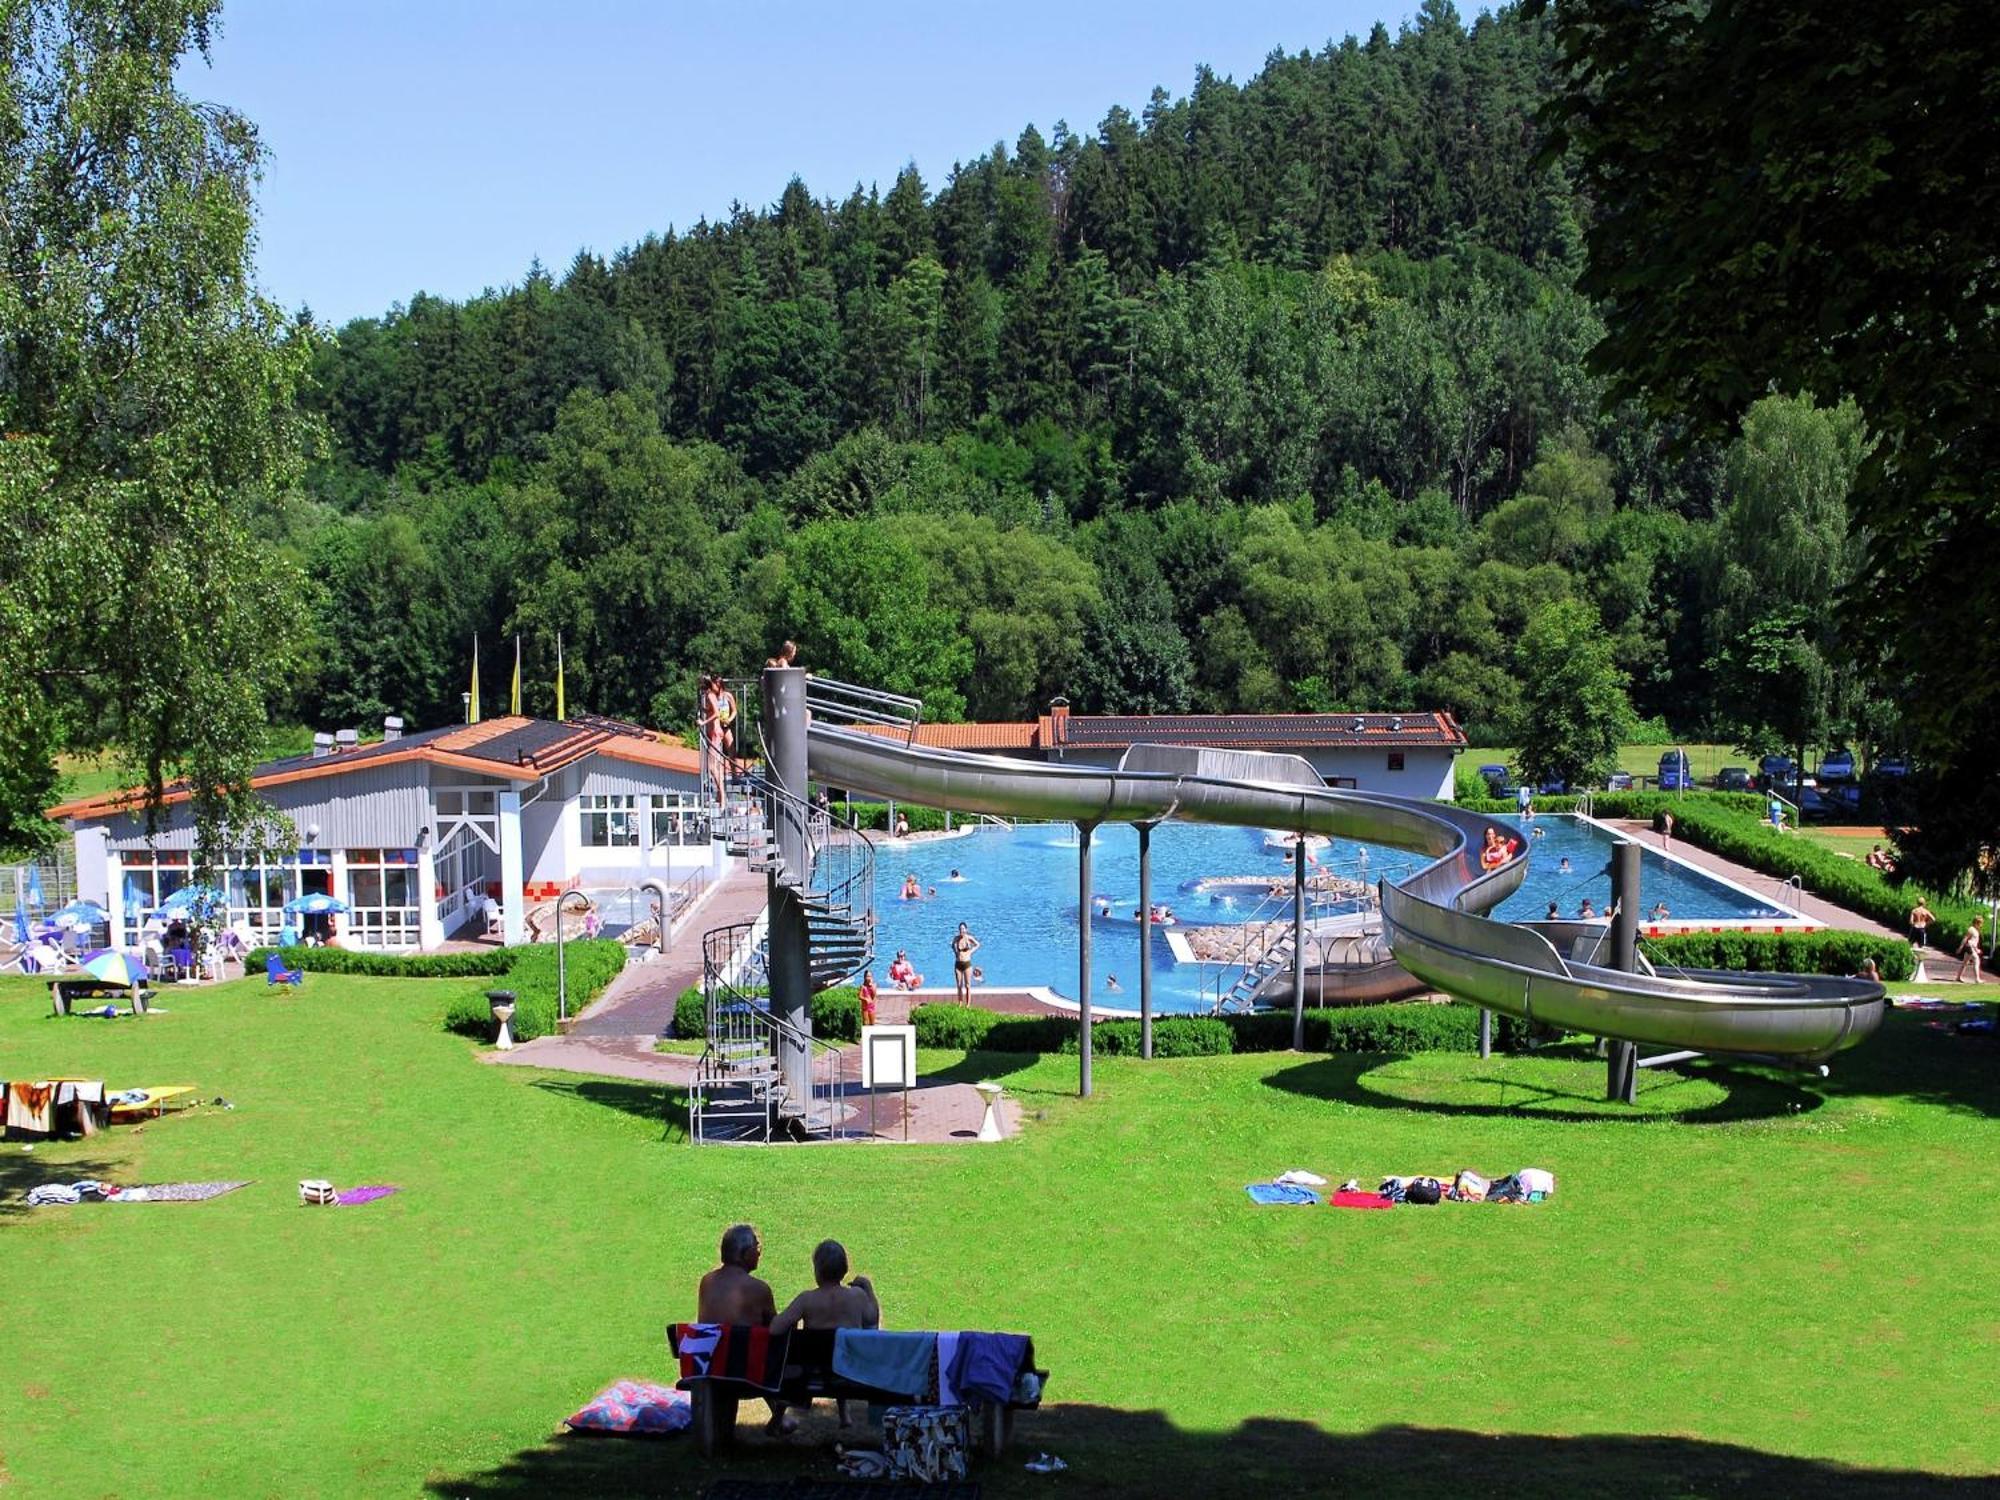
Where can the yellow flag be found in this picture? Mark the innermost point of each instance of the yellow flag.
(561, 715)
(514, 706)
(472, 703)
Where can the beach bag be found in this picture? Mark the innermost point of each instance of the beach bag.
(1423, 1190)
(318, 1192)
(1470, 1186)
(927, 1443)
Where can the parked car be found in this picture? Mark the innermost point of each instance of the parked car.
(1732, 779)
(1619, 781)
(1773, 771)
(1837, 765)
(1893, 765)
(1676, 775)
(1553, 786)
(1846, 797)
(1499, 781)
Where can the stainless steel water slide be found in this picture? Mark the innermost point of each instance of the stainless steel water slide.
(1434, 920)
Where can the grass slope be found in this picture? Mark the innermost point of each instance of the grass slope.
(1751, 1283)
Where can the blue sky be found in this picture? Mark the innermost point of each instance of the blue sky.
(441, 145)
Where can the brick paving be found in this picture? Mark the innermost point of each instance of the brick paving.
(640, 1001)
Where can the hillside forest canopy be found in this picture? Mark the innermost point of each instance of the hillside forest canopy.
(1274, 396)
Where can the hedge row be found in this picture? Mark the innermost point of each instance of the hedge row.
(479, 964)
(1741, 836)
(1396, 1027)
(836, 1014)
(875, 815)
(592, 964)
(1827, 952)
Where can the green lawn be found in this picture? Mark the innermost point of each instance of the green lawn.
(1640, 760)
(1746, 1286)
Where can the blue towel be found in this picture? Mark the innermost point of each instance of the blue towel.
(986, 1365)
(1280, 1192)
(898, 1362)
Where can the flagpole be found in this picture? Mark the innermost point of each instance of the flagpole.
(514, 704)
(561, 713)
(472, 698)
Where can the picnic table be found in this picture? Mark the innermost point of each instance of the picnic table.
(809, 1374)
(63, 992)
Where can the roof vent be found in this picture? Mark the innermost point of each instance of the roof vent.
(1359, 724)
(392, 728)
(1396, 724)
(322, 744)
(344, 740)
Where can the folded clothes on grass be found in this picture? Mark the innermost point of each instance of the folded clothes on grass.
(1280, 1193)
(368, 1194)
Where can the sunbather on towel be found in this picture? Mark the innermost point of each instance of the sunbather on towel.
(730, 1294)
(829, 1304)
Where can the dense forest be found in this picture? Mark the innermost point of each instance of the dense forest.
(1271, 398)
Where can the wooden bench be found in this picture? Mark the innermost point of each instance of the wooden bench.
(809, 1375)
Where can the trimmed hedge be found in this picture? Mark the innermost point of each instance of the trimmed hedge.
(592, 964)
(836, 1014)
(1826, 952)
(875, 815)
(485, 962)
(1394, 1027)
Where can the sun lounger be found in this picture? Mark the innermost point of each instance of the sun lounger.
(152, 1101)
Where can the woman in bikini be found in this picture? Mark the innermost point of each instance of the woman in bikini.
(1968, 953)
(963, 946)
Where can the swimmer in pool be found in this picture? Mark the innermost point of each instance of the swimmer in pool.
(1112, 986)
(955, 876)
(1563, 868)
(1554, 915)
(911, 890)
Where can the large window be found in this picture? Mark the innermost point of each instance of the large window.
(678, 819)
(609, 822)
(255, 887)
(150, 876)
(383, 897)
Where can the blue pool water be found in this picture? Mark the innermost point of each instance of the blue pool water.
(1017, 892)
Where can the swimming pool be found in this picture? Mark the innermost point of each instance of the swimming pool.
(1016, 891)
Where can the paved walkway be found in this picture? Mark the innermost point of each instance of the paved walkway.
(640, 1001)
(1756, 880)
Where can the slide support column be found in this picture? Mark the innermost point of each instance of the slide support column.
(1084, 831)
(1145, 940)
(1299, 943)
(1621, 1069)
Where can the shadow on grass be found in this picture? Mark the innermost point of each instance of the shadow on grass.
(1912, 1058)
(977, 1066)
(663, 1103)
(21, 1170)
(1111, 1451)
(1747, 1095)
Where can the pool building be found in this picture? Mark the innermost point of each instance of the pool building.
(1404, 754)
(415, 831)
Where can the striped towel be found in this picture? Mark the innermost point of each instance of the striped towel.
(712, 1351)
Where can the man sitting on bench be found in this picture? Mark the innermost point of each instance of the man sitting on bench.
(829, 1304)
(730, 1294)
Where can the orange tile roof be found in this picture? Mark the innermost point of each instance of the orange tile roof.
(988, 736)
(541, 748)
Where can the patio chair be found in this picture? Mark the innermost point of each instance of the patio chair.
(275, 972)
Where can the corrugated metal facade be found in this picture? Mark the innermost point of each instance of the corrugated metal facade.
(365, 808)
(603, 777)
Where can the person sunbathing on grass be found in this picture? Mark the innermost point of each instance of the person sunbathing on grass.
(829, 1304)
(730, 1294)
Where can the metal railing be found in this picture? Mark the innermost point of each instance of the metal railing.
(844, 703)
(739, 1081)
(1262, 936)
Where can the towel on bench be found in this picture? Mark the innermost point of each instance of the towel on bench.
(898, 1362)
(711, 1351)
(987, 1364)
